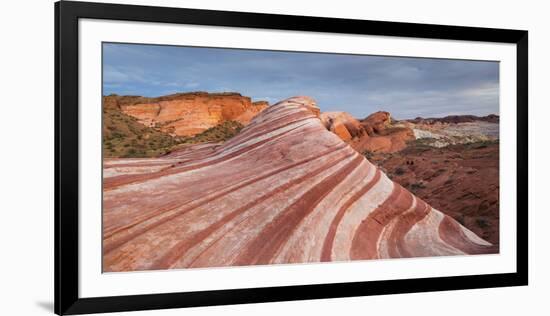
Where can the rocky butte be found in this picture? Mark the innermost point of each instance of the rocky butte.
(187, 114)
(283, 190)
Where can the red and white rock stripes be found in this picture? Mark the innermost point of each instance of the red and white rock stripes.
(284, 190)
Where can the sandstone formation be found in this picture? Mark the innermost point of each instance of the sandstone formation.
(284, 190)
(377, 122)
(187, 114)
(343, 124)
(441, 134)
(373, 134)
(388, 141)
(385, 136)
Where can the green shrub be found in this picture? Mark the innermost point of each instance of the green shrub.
(417, 186)
(482, 222)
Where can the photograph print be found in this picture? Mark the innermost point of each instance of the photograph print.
(216, 157)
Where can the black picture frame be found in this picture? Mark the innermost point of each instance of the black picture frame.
(67, 15)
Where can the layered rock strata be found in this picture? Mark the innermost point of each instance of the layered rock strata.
(188, 114)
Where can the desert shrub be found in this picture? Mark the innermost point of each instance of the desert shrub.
(422, 144)
(218, 133)
(368, 154)
(399, 171)
(417, 186)
(438, 172)
(482, 222)
(449, 181)
(482, 144)
(131, 152)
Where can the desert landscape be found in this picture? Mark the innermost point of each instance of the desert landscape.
(202, 179)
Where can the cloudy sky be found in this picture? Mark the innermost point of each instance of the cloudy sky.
(358, 84)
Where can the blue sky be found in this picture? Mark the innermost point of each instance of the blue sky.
(358, 84)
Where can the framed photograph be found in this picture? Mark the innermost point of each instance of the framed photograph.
(209, 157)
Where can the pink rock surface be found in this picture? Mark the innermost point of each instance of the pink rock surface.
(284, 190)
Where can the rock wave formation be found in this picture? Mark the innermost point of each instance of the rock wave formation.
(284, 190)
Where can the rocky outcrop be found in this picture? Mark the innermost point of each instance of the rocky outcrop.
(390, 140)
(343, 124)
(386, 137)
(373, 134)
(123, 136)
(284, 190)
(187, 114)
(377, 122)
(447, 131)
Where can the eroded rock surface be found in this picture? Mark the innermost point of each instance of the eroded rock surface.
(374, 134)
(187, 114)
(343, 124)
(284, 190)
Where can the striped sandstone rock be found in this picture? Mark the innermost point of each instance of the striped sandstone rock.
(284, 190)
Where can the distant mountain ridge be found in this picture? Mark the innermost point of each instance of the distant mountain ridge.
(491, 118)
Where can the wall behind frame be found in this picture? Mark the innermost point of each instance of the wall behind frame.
(27, 155)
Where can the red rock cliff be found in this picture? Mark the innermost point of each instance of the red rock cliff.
(187, 114)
